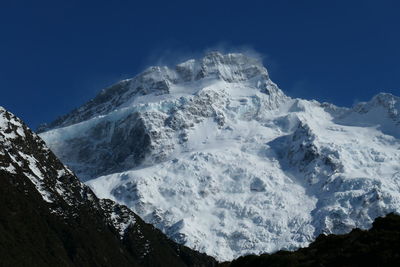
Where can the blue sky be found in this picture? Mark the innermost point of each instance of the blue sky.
(55, 55)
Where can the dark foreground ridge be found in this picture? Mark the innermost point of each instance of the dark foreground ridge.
(379, 246)
(49, 218)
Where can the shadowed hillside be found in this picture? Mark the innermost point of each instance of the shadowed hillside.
(49, 218)
(379, 246)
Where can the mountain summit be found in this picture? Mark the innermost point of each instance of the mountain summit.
(164, 80)
(215, 155)
(144, 119)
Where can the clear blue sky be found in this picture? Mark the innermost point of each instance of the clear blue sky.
(55, 55)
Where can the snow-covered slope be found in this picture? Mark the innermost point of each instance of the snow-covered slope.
(215, 155)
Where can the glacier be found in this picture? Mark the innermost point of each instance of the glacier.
(215, 155)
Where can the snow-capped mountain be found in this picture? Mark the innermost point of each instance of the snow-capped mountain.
(215, 155)
(49, 218)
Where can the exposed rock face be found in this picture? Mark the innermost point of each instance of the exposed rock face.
(214, 154)
(49, 218)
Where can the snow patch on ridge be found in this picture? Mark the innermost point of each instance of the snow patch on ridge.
(25, 158)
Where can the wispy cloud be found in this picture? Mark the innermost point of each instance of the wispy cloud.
(171, 54)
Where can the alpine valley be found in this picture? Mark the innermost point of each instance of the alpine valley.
(217, 157)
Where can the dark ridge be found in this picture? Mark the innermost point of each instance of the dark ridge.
(379, 246)
(73, 228)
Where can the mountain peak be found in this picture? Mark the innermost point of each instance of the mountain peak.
(233, 67)
(187, 78)
(387, 100)
(217, 58)
(383, 102)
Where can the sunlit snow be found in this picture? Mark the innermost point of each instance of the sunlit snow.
(228, 164)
